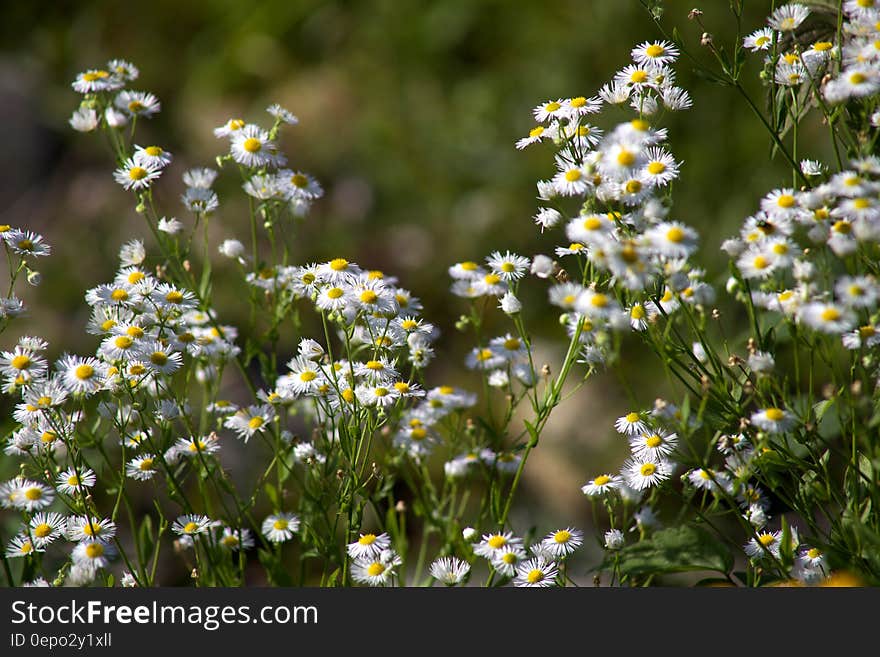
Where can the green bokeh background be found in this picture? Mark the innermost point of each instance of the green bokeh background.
(408, 115)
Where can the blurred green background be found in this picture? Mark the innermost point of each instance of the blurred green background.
(408, 116)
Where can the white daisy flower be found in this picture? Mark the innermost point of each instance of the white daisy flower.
(137, 103)
(90, 528)
(760, 39)
(93, 555)
(552, 109)
(96, 80)
(491, 545)
(141, 468)
(376, 571)
(655, 52)
(536, 572)
(507, 559)
(641, 473)
(450, 570)
(653, 445)
(22, 546)
(71, 482)
(536, 134)
(788, 17)
(509, 266)
(630, 424)
(136, 175)
(191, 525)
(758, 548)
(773, 420)
(602, 485)
(563, 542)
(249, 421)
(827, 317)
(44, 528)
(280, 527)
(250, 146)
(369, 546)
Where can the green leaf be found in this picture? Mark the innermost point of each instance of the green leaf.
(676, 550)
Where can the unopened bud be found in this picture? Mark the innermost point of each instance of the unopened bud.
(34, 277)
(706, 39)
(694, 14)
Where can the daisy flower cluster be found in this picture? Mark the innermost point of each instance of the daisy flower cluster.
(540, 565)
(794, 253)
(631, 256)
(795, 63)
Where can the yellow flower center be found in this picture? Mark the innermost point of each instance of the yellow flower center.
(153, 151)
(599, 301)
(562, 536)
(42, 530)
(537, 131)
(73, 480)
(647, 469)
(94, 550)
(535, 575)
(123, 342)
(861, 203)
(640, 124)
(762, 41)
(830, 315)
(552, 106)
(573, 175)
(92, 528)
(867, 331)
(190, 527)
(857, 78)
(766, 539)
(492, 279)
(638, 76)
(592, 223)
(375, 569)
(137, 173)
(252, 145)
(255, 422)
(84, 372)
(785, 201)
(135, 106)
(580, 101)
(299, 180)
(280, 525)
(418, 434)
(380, 392)
(656, 167)
(174, 296)
(367, 539)
(653, 441)
(159, 358)
(675, 234)
(813, 553)
(633, 187)
(118, 295)
(509, 558)
(632, 417)
(94, 76)
(512, 344)
(496, 542)
(339, 264)
(33, 494)
(145, 465)
(21, 362)
(774, 414)
(843, 227)
(822, 46)
(760, 262)
(368, 296)
(601, 480)
(626, 158)
(484, 354)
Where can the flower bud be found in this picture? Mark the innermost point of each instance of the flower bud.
(34, 277)
(510, 304)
